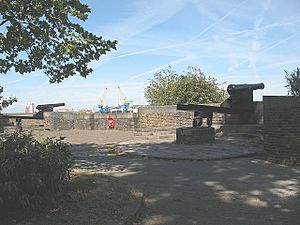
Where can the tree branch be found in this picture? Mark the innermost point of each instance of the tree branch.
(3, 22)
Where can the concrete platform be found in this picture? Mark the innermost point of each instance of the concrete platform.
(195, 135)
(223, 148)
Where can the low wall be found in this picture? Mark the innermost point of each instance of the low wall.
(147, 117)
(163, 116)
(282, 129)
(67, 121)
(168, 116)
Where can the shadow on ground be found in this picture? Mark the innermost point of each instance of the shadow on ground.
(236, 191)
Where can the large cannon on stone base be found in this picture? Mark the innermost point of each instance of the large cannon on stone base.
(239, 102)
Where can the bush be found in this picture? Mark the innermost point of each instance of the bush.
(31, 172)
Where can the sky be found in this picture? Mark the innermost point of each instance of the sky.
(236, 42)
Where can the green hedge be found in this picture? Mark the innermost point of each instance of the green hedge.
(31, 171)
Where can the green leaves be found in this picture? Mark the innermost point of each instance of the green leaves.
(40, 34)
(293, 82)
(31, 172)
(4, 103)
(170, 88)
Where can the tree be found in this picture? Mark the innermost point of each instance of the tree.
(43, 34)
(293, 82)
(169, 88)
(7, 101)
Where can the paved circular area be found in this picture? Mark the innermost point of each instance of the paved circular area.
(223, 148)
(242, 191)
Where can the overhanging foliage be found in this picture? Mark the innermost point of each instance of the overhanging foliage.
(41, 34)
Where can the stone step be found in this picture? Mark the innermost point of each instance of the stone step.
(155, 133)
(242, 130)
(149, 137)
(250, 126)
(155, 129)
(237, 128)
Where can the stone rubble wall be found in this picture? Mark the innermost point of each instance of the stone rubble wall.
(96, 121)
(168, 116)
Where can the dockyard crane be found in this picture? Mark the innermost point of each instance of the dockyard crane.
(102, 101)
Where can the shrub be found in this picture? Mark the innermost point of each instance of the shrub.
(31, 172)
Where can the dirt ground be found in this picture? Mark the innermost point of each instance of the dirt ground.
(88, 136)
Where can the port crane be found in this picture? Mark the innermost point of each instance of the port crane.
(102, 102)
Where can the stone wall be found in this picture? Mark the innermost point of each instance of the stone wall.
(147, 117)
(68, 120)
(168, 116)
(163, 116)
(257, 117)
(4, 121)
(282, 129)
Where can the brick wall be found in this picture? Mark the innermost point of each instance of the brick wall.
(282, 129)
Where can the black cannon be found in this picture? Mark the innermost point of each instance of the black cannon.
(48, 107)
(38, 116)
(240, 102)
(236, 89)
(241, 95)
(241, 99)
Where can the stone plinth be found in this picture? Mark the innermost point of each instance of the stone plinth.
(195, 135)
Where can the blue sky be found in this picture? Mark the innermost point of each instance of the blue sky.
(234, 41)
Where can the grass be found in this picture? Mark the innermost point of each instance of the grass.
(92, 198)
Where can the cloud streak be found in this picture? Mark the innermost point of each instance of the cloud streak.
(171, 63)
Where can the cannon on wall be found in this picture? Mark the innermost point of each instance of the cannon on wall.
(241, 95)
(38, 116)
(240, 102)
(49, 107)
(46, 108)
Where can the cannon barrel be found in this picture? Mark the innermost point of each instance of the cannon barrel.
(49, 107)
(238, 88)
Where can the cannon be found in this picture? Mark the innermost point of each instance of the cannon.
(48, 107)
(37, 116)
(240, 101)
(241, 96)
(235, 89)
